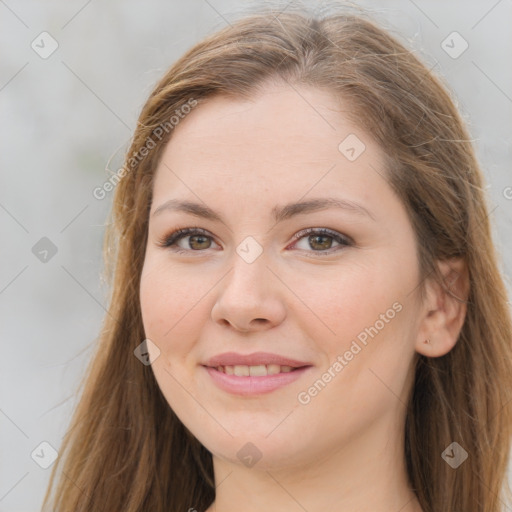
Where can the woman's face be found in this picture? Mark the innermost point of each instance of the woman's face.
(276, 345)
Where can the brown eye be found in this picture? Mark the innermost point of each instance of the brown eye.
(198, 242)
(320, 240)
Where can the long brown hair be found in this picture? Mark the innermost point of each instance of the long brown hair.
(125, 448)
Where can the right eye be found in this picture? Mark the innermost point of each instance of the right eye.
(197, 236)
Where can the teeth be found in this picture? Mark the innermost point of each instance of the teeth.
(272, 369)
(260, 370)
(241, 371)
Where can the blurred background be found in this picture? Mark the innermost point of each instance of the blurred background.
(73, 78)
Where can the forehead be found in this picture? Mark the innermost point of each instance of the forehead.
(285, 141)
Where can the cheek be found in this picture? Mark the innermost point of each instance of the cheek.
(169, 313)
(343, 302)
(166, 303)
(174, 306)
(362, 314)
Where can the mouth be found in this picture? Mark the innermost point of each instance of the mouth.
(255, 360)
(253, 374)
(260, 370)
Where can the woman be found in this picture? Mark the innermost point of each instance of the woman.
(307, 311)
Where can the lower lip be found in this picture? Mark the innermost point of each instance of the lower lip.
(254, 385)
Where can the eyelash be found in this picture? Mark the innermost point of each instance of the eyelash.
(170, 240)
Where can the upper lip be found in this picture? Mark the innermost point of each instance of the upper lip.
(255, 359)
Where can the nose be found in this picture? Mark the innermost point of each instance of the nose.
(250, 297)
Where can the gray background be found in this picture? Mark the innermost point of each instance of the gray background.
(64, 117)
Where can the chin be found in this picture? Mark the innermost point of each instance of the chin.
(261, 446)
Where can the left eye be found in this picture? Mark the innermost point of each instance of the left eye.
(320, 239)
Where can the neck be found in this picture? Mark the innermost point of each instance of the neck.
(366, 474)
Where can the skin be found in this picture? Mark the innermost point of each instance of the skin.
(343, 449)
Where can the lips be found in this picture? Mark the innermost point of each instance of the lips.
(253, 374)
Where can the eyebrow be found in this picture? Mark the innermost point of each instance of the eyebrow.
(279, 213)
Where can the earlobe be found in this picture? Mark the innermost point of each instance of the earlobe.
(444, 309)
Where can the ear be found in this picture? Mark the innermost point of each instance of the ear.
(444, 309)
